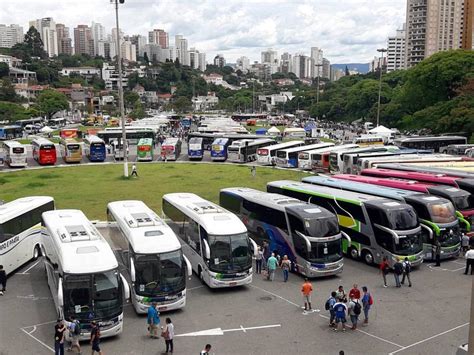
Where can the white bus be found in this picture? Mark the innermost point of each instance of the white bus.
(307, 234)
(83, 273)
(245, 150)
(267, 155)
(214, 240)
(312, 159)
(152, 254)
(288, 158)
(14, 154)
(20, 230)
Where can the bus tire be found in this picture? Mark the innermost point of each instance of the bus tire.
(201, 276)
(368, 257)
(353, 253)
(36, 252)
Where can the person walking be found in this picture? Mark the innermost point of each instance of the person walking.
(285, 266)
(384, 269)
(354, 293)
(259, 260)
(367, 302)
(354, 309)
(95, 338)
(307, 289)
(397, 271)
(266, 254)
(438, 253)
(59, 332)
(406, 271)
(74, 329)
(168, 334)
(153, 320)
(332, 314)
(464, 243)
(340, 309)
(134, 170)
(206, 350)
(469, 260)
(3, 280)
(272, 263)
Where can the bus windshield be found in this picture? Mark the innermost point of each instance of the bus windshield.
(73, 147)
(442, 212)
(230, 253)
(159, 274)
(401, 219)
(461, 202)
(318, 227)
(47, 146)
(325, 252)
(408, 245)
(18, 150)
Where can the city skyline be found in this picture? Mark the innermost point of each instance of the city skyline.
(348, 32)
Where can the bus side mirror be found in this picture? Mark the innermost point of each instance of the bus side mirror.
(188, 266)
(60, 292)
(345, 235)
(306, 240)
(207, 250)
(254, 246)
(126, 288)
(132, 270)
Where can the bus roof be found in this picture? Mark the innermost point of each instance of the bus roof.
(12, 144)
(41, 141)
(213, 218)
(145, 231)
(145, 141)
(372, 149)
(429, 138)
(285, 145)
(219, 140)
(412, 175)
(195, 140)
(307, 147)
(171, 141)
(433, 170)
(19, 206)
(251, 142)
(93, 139)
(69, 141)
(79, 245)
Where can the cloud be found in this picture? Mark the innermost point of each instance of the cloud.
(347, 31)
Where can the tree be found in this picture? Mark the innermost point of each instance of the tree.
(138, 111)
(145, 59)
(4, 70)
(51, 101)
(33, 40)
(346, 72)
(130, 98)
(182, 104)
(7, 91)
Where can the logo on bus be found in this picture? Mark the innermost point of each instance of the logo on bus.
(9, 243)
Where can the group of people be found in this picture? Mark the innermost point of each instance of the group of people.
(270, 261)
(153, 322)
(71, 331)
(400, 269)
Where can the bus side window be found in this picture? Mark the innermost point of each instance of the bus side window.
(192, 234)
(299, 243)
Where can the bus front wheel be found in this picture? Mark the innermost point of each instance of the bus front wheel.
(36, 252)
(200, 274)
(368, 257)
(353, 253)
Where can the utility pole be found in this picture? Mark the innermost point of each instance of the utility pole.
(380, 50)
(317, 85)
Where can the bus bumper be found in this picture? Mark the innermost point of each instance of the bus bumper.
(141, 307)
(106, 330)
(214, 283)
(326, 270)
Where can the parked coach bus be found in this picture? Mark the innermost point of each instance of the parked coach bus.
(154, 259)
(71, 151)
(195, 148)
(436, 214)
(309, 235)
(145, 149)
(170, 149)
(369, 141)
(219, 149)
(320, 161)
(434, 144)
(10, 132)
(214, 240)
(267, 155)
(336, 158)
(20, 230)
(377, 226)
(94, 149)
(44, 151)
(83, 273)
(288, 158)
(14, 154)
(245, 150)
(431, 170)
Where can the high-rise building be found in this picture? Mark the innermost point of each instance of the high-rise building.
(219, 61)
(316, 62)
(98, 34)
(396, 50)
(301, 66)
(10, 35)
(139, 42)
(128, 51)
(243, 64)
(64, 39)
(181, 48)
(432, 26)
(158, 36)
(202, 61)
(286, 63)
(83, 41)
(103, 49)
(326, 69)
(47, 30)
(193, 58)
(270, 56)
(468, 25)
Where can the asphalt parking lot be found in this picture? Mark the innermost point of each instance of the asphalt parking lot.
(266, 317)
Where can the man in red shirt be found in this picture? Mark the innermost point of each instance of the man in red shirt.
(384, 269)
(354, 293)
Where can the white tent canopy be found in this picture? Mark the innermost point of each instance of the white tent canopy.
(380, 129)
(46, 129)
(273, 130)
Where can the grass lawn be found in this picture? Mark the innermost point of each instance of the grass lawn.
(90, 188)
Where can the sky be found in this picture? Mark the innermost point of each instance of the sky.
(346, 30)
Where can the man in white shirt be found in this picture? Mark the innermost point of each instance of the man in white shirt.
(469, 260)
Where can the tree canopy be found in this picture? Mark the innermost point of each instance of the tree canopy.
(50, 101)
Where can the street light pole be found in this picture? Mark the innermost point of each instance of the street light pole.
(381, 50)
(120, 89)
(317, 85)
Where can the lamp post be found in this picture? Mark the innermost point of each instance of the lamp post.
(317, 85)
(120, 89)
(381, 50)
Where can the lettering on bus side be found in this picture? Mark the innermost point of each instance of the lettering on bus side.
(9, 243)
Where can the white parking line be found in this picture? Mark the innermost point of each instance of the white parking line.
(274, 294)
(194, 288)
(39, 341)
(31, 267)
(427, 339)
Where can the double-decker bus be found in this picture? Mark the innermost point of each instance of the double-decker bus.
(154, 259)
(15, 154)
(71, 150)
(288, 158)
(377, 226)
(245, 150)
(145, 149)
(309, 235)
(214, 240)
(437, 144)
(267, 155)
(94, 148)
(320, 160)
(44, 151)
(428, 169)
(20, 230)
(10, 132)
(219, 149)
(459, 198)
(195, 148)
(336, 158)
(83, 273)
(436, 214)
(171, 149)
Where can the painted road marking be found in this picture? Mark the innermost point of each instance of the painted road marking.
(194, 288)
(34, 298)
(220, 331)
(31, 267)
(39, 341)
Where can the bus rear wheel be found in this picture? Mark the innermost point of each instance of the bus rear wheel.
(368, 257)
(353, 253)
(200, 274)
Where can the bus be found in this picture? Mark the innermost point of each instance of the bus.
(425, 169)
(294, 132)
(44, 151)
(145, 149)
(313, 159)
(436, 214)
(378, 227)
(83, 273)
(245, 150)
(154, 259)
(208, 138)
(15, 154)
(459, 198)
(349, 165)
(369, 141)
(320, 161)
(117, 150)
(10, 132)
(219, 149)
(267, 155)
(195, 148)
(336, 158)
(213, 239)
(288, 158)
(94, 148)
(170, 149)
(71, 151)
(458, 149)
(309, 236)
(133, 134)
(437, 144)
(20, 230)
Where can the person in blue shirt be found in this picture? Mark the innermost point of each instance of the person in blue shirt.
(332, 302)
(272, 263)
(340, 310)
(153, 320)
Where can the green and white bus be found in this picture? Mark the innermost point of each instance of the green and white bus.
(378, 227)
(145, 149)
